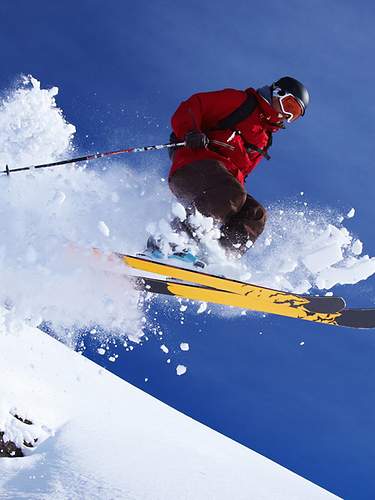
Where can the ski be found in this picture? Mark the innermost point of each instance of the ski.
(221, 283)
(351, 318)
(257, 293)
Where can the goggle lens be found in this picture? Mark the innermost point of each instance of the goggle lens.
(289, 105)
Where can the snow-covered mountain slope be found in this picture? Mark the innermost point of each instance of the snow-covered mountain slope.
(100, 438)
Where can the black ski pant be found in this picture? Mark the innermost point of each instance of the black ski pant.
(206, 185)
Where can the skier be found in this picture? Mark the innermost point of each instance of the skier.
(227, 133)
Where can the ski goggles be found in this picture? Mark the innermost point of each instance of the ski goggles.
(290, 105)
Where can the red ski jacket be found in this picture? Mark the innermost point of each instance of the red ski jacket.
(203, 111)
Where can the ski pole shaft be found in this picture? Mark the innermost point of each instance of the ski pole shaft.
(95, 156)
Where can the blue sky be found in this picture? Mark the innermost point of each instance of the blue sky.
(122, 68)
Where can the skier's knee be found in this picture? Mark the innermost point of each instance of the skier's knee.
(245, 227)
(219, 204)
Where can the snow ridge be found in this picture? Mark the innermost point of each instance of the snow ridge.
(99, 437)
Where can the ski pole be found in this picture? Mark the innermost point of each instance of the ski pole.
(95, 156)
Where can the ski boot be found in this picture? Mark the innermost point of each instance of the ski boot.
(188, 257)
(153, 251)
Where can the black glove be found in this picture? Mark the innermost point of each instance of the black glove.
(196, 140)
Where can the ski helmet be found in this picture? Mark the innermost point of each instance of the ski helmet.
(297, 89)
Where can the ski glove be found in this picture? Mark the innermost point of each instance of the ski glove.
(196, 140)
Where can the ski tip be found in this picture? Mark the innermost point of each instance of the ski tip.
(326, 305)
(357, 318)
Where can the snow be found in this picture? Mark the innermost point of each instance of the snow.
(103, 228)
(351, 213)
(179, 211)
(184, 346)
(323, 258)
(99, 437)
(181, 369)
(44, 211)
(202, 308)
(164, 348)
(355, 270)
(298, 249)
(357, 247)
(298, 253)
(25, 137)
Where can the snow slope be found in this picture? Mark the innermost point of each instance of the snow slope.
(101, 438)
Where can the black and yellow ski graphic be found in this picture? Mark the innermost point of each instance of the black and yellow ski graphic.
(353, 318)
(218, 290)
(256, 292)
(200, 286)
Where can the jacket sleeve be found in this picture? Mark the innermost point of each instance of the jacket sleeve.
(203, 111)
(188, 116)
